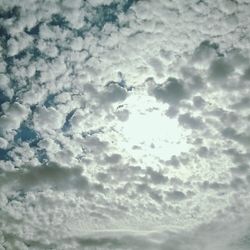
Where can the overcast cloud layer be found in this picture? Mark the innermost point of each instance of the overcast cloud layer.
(72, 74)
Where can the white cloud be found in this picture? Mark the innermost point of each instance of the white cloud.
(48, 119)
(15, 45)
(13, 115)
(3, 143)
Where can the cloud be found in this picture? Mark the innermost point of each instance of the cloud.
(113, 159)
(199, 102)
(176, 195)
(220, 70)
(203, 237)
(12, 117)
(122, 115)
(171, 92)
(48, 118)
(232, 134)
(205, 53)
(72, 74)
(240, 170)
(246, 75)
(156, 177)
(188, 121)
(50, 175)
(113, 93)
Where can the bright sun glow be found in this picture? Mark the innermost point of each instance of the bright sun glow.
(149, 133)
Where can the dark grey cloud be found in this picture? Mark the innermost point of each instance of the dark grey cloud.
(240, 170)
(232, 134)
(216, 186)
(113, 159)
(176, 196)
(220, 70)
(246, 75)
(188, 121)
(114, 93)
(172, 91)
(156, 177)
(51, 175)
(199, 102)
(205, 52)
(242, 103)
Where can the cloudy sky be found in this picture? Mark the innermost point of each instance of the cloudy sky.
(124, 124)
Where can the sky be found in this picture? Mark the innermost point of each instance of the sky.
(124, 124)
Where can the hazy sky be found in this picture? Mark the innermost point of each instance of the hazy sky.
(124, 124)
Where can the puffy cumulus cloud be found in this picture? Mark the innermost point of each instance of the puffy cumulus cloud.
(39, 177)
(176, 195)
(73, 75)
(113, 93)
(172, 91)
(48, 119)
(3, 143)
(122, 114)
(220, 70)
(5, 87)
(204, 54)
(190, 122)
(15, 45)
(210, 236)
(156, 177)
(13, 115)
(231, 133)
(240, 170)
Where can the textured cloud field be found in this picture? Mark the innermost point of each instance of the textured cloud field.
(125, 124)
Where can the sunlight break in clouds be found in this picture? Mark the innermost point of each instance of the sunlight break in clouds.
(149, 133)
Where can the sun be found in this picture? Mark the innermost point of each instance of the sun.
(148, 132)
